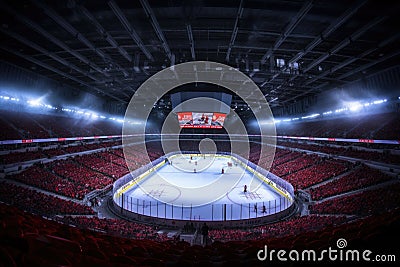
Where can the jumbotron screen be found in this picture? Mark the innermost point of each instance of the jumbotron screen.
(210, 120)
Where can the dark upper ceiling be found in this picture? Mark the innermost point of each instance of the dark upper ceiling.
(110, 47)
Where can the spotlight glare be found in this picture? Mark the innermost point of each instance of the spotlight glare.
(355, 106)
(311, 116)
(376, 102)
(34, 103)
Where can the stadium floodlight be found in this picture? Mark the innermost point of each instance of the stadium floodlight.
(93, 116)
(355, 106)
(6, 97)
(34, 103)
(311, 116)
(376, 102)
(103, 117)
(340, 110)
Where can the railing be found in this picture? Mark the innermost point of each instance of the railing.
(209, 212)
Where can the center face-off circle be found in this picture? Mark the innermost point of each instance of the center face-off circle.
(218, 74)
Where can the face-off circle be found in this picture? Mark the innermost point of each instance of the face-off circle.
(158, 85)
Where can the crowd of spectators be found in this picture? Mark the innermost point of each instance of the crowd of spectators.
(295, 165)
(79, 174)
(321, 171)
(362, 177)
(40, 177)
(290, 227)
(363, 126)
(15, 157)
(30, 240)
(39, 203)
(28, 125)
(53, 152)
(109, 156)
(116, 227)
(82, 147)
(7, 131)
(98, 164)
(348, 151)
(366, 202)
(282, 156)
(75, 177)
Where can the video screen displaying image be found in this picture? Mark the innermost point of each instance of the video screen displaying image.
(185, 118)
(201, 120)
(218, 119)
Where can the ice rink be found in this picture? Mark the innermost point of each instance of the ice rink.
(194, 188)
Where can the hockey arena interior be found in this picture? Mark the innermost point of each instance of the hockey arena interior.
(87, 180)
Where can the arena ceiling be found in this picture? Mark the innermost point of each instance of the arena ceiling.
(291, 49)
